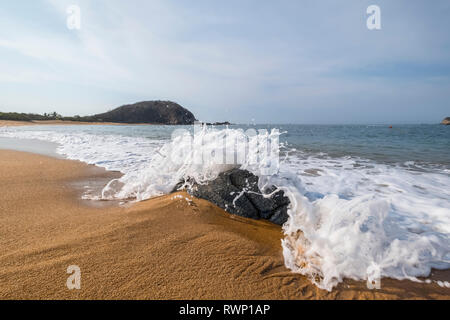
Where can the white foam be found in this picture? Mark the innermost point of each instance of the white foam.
(347, 215)
(113, 152)
(359, 213)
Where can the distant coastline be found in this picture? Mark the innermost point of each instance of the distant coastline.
(140, 113)
(15, 123)
(145, 112)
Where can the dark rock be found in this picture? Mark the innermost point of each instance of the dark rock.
(237, 192)
(154, 112)
(222, 193)
(280, 216)
(245, 180)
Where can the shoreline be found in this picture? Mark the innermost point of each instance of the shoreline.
(35, 146)
(13, 123)
(162, 248)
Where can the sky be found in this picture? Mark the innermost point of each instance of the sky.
(266, 61)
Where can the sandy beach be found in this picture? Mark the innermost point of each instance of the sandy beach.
(164, 248)
(12, 123)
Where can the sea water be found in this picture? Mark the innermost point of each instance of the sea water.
(363, 197)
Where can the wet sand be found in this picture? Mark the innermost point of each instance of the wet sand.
(163, 248)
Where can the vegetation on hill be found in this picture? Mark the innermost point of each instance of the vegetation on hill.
(29, 116)
(154, 112)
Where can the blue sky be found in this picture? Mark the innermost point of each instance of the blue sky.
(310, 61)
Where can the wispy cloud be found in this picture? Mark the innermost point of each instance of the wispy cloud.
(285, 61)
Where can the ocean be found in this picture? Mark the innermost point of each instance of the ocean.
(367, 201)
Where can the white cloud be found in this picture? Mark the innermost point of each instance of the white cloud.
(211, 58)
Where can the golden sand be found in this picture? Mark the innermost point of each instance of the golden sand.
(164, 248)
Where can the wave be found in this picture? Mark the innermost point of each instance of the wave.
(348, 216)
